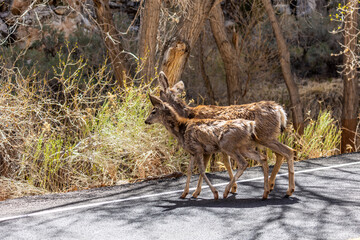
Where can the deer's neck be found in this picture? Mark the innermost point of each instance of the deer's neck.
(177, 127)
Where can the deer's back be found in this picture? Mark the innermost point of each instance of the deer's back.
(265, 114)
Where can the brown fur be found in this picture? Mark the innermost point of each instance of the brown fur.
(202, 137)
(270, 119)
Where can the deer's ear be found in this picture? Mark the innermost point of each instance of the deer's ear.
(155, 101)
(179, 87)
(163, 96)
(163, 81)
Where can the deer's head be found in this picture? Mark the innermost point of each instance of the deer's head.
(172, 95)
(156, 114)
(165, 114)
(161, 112)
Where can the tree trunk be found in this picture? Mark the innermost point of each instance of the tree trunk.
(350, 92)
(177, 50)
(118, 58)
(228, 55)
(205, 77)
(296, 107)
(149, 25)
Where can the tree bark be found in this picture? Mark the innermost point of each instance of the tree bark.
(177, 50)
(350, 92)
(118, 58)
(296, 107)
(228, 55)
(205, 77)
(149, 25)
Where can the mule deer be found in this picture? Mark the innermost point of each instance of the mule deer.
(270, 119)
(207, 136)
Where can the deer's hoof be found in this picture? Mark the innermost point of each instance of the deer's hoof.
(234, 188)
(216, 195)
(289, 192)
(195, 194)
(183, 195)
(265, 195)
(226, 193)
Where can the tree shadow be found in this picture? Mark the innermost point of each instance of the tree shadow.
(230, 202)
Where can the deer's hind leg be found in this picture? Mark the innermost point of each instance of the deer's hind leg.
(198, 188)
(276, 168)
(242, 165)
(252, 154)
(286, 152)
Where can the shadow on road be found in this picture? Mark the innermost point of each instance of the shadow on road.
(230, 202)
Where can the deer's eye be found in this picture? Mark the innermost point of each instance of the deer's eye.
(153, 111)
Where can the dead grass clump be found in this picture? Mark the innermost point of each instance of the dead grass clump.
(75, 131)
(42, 120)
(321, 137)
(10, 188)
(316, 96)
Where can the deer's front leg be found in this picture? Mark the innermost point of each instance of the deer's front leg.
(189, 171)
(198, 188)
(200, 161)
(226, 160)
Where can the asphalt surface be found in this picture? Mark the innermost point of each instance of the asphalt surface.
(325, 205)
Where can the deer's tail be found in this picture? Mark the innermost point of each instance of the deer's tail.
(283, 118)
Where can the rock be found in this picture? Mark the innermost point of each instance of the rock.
(305, 7)
(282, 9)
(62, 10)
(40, 19)
(3, 28)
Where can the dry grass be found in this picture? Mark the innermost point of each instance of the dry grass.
(10, 188)
(321, 137)
(317, 96)
(76, 131)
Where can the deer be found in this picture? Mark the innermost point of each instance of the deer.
(270, 119)
(201, 137)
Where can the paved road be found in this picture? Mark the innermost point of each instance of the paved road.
(326, 205)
